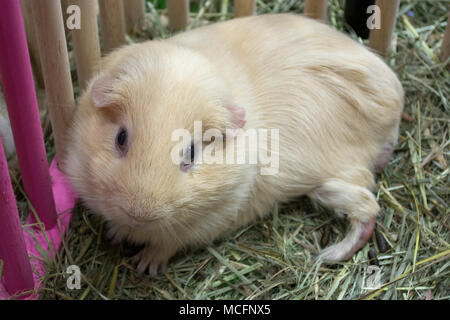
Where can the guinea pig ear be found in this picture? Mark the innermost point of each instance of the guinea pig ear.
(103, 93)
(238, 115)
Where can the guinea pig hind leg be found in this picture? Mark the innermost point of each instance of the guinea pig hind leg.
(361, 208)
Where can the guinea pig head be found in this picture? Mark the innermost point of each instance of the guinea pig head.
(126, 158)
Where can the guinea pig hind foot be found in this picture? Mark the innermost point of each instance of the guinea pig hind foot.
(361, 209)
(353, 241)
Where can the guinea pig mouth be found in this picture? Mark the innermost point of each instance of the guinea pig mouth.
(135, 219)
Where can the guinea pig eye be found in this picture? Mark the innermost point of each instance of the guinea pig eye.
(188, 159)
(191, 151)
(121, 140)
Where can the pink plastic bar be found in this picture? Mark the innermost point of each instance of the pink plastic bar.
(17, 272)
(20, 96)
(43, 245)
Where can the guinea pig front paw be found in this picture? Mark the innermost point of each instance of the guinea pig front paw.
(153, 259)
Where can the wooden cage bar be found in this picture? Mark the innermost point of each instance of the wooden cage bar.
(244, 8)
(33, 45)
(316, 9)
(21, 101)
(86, 42)
(112, 24)
(380, 39)
(178, 11)
(134, 14)
(49, 28)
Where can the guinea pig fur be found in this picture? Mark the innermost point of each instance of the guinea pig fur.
(336, 106)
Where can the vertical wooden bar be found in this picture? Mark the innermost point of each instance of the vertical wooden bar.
(134, 14)
(380, 39)
(316, 9)
(21, 101)
(445, 49)
(244, 8)
(17, 272)
(112, 24)
(33, 45)
(178, 11)
(49, 28)
(86, 42)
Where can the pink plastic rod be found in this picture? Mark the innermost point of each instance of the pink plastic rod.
(17, 274)
(20, 96)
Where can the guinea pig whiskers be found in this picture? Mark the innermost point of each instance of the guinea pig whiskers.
(185, 225)
(170, 229)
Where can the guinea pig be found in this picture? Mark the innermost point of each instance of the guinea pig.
(333, 106)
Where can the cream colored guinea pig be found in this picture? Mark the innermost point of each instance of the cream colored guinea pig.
(335, 104)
